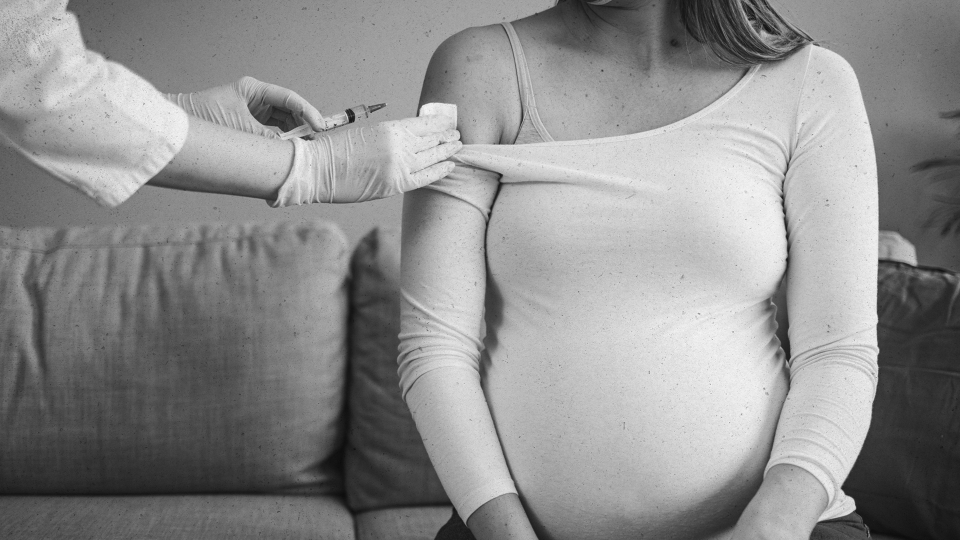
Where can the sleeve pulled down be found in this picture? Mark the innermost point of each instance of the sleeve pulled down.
(443, 286)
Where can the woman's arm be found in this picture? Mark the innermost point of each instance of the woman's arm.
(830, 200)
(443, 289)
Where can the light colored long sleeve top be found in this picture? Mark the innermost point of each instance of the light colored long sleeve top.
(92, 123)
(605, 346)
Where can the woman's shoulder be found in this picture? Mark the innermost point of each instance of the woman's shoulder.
(828, 78)
(478, 45)
(810, 71)
(829, 63)
(491, 40)
(474, 69)
(814, 61)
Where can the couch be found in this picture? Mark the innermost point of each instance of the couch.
(239, 381)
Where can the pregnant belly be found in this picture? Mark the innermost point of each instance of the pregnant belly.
(614, 432)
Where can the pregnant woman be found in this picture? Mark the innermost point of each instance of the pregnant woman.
(588, 339)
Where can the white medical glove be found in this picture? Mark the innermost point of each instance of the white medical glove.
(365, 163)
(252, 106)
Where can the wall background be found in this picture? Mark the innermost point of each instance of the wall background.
(338, 53)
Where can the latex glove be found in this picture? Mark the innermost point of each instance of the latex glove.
(252, 106)
(366, 163)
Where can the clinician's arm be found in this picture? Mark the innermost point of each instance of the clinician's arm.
(106, 131)
(443, 287)
(217, 159)
(346, 165)
(91, 123)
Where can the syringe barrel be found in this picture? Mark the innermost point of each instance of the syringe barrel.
(348, 116)
(360, 111)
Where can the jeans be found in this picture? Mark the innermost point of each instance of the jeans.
(848, 527)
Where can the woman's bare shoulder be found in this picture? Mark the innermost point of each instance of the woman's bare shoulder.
(474, 69)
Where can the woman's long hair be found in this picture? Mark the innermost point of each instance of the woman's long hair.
(741, 32)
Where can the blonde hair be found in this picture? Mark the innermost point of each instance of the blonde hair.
(741, 32)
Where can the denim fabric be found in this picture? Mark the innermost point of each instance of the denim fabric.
(455, 529)
(849, 527)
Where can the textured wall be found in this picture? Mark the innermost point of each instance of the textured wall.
(341, 52)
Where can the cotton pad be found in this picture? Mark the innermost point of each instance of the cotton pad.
(442, 109)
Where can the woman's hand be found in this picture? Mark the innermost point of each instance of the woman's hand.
(787, 507)
(252, 106)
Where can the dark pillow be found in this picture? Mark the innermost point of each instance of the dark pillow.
(907, 478)
(172, 358)
(386, 464)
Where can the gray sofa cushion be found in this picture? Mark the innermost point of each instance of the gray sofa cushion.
(385, 464)
(419, 523)
(907, 479)
(209, 517)
(172, 359)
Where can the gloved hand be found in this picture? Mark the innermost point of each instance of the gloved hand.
(361, 164)
(252, 106)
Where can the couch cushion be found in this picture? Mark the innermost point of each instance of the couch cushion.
(172, 358)
(907, 479)
(385, 464)
(172, 517)
(411, 523)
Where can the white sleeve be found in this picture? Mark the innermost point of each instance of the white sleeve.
(92, 123)
(830, 201)
(443, 286)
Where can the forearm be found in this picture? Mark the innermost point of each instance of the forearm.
(453, 419)
(787, 506)
(216, 159)
(826, 415)
(502, 518)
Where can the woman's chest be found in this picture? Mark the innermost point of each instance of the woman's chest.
(710, 211)
(580, 98)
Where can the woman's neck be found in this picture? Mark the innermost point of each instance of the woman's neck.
(646, 33)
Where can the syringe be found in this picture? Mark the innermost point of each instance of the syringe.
(340, 119)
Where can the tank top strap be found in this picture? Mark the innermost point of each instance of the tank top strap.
(531, 128)
(527, 100)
